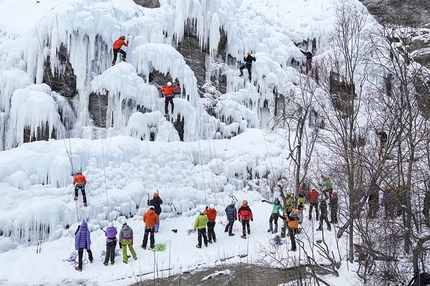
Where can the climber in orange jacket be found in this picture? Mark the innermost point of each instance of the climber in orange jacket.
(117, 49)
(80, 181)
(168, 96)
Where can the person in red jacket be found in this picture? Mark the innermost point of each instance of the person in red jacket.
(117, 49)
(245, 215)
(168, 96)
(313, 203)
(210, 212)
(80, 181)
(150, 218)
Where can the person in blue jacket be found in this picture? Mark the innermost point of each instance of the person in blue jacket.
(231, 213)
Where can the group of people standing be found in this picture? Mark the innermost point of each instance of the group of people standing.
(125, 238)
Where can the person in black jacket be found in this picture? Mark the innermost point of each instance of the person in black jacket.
(308, 60)
(324, 215)
(156, 202)
(248, 65)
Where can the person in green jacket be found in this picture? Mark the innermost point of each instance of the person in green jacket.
(200, 225)
(327, 187)
(288, 203)
(276, 207)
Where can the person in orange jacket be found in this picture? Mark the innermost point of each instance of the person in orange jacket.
(80, 181)
(117, 49)
(210, 212)
(168, 96)
(150, 218)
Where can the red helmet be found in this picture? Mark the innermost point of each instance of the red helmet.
(335, 194)
(302, 191)
(122, 37)
(155, 195)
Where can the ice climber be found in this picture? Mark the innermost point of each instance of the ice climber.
(156, 201)
(83, 241)
(276, 207)
(245, 215)
(333, 208)
(168, 97)
(80, 182)
(308, 60)
(248, 65)
(117, 49)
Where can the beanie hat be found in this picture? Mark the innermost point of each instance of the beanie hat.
(123, 37)
(110, 224)
(155, 195)
(169, 83)
(211, 206)
(151, 207)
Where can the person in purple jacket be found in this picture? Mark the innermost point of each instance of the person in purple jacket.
(110, 244)
(83, 241)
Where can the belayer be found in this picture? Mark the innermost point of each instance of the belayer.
(117, 49)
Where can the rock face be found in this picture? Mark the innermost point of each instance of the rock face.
(148, 3)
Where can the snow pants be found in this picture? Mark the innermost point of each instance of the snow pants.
(211, 230)
(166, 104)
(201, 233)
(124, 244)
(149, 230)
(115, 54)
(77, 188)
(110, 251)
(229, 227)
(245, 227)
(248, 67)
(81, 254)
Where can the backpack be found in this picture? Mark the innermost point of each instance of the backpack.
(313, 197)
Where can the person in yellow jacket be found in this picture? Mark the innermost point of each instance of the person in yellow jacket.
(200, 225)
(293, 225)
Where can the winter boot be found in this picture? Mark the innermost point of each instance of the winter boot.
(123, 59)
(275, 230)
(76, 198)
(210, 241)
(198, 246)
(319, 229)
(243, 236)
(231, 234)
(78, 269)
(270, 228)
(85, 204)
(214, 240)
(105, 264)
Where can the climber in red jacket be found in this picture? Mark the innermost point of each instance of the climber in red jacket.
(117, 49)
(168, 96)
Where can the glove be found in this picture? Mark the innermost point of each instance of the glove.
(207, 207)
(252, 219)
(263, 201)
(127, 41)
